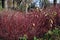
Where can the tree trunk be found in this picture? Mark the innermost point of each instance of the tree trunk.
(55, 1)
(6, 4)
(3, 3)
(45, 3)
(13, 4)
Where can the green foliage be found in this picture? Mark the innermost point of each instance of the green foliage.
(0, 5)
(22, 7)
(50, 35)
(35, 38)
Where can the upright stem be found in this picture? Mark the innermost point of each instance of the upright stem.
(26, 2)
(26, 7)
(6, 4)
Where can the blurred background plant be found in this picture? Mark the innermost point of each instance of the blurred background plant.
(18, 4)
